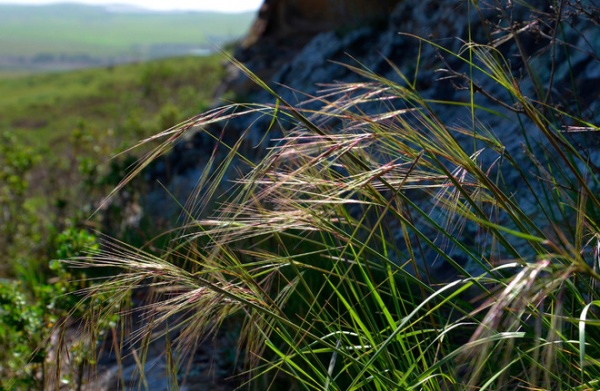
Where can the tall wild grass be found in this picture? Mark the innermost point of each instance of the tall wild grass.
(343, 250)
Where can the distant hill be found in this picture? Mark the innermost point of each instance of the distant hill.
(70, 36)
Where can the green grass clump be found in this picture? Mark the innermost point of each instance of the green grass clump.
(325, 247)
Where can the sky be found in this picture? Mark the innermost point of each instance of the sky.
(199, 5)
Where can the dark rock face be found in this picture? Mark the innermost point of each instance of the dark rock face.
(284, 27)
(281, 20)
(304, 60)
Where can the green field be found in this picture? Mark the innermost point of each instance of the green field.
(67, 36)
(41, 109)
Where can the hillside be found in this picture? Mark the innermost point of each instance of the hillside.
(69, 126)
(70, 36)
(44, 108)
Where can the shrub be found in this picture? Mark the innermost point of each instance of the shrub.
(18, 225)
(20, 332)
(35, 314)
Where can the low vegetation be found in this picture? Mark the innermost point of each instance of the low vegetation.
(62, 130)
(59, 132)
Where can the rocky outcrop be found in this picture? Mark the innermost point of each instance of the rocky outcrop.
(283, 27)
(311, 58)
(282, 20)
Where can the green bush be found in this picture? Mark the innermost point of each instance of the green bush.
(21, 333)
(19, 227)
(32, 311)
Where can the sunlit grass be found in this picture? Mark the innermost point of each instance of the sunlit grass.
(326, 247)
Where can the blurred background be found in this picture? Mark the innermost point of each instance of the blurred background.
(81, 82)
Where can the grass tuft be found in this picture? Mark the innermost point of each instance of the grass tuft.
(387, 250)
